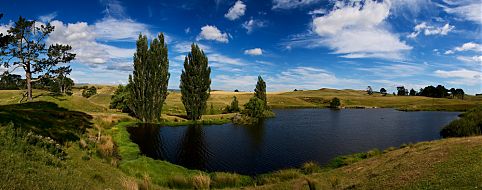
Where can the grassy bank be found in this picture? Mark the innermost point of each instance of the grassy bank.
(449, 163)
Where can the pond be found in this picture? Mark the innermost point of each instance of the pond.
(294, 137)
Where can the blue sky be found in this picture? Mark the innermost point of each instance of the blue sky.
(303, 44)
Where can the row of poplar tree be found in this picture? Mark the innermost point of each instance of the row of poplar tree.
(147, 90)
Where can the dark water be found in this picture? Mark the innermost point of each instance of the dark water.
(294, 137)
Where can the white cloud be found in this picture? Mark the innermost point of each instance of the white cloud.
(251, 24)
(359, 31)
(476, 59)
(209, 32)
(83, 39)
(449, 52)
(5, 28)
(110, 28)
(222, 59)
(184, 47)
(187, 30)
(289, 4)
(465, 9)
(255, 51)
(469, 46)
(236, 11)
(48, 17)
(462, 76)
(430, 30)
(317, 12)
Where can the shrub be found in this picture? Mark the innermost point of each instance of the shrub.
(121, 99)
(469, 124)
(341, 161)
(178, 182)
(335, 103)
(87, 93)
(201, 181)
(129, 183)
(233, 107)
(254, 108)
(279, 176)
(106, 147)
(310, 167)
(223, 180)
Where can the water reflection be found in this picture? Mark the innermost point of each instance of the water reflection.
(193, 152)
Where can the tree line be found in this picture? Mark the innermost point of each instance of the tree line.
(430, 91)
(147, 89)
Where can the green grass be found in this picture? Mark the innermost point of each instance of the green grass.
(28, 164)
(469, 124)
(450, 163)
(47, 119)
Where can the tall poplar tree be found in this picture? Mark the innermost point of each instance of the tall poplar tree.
(149, 80)
(260, 91)
(195, 83)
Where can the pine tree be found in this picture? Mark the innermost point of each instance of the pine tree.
(195, 83)
(149, 80)
(260, 91)
(25, 47)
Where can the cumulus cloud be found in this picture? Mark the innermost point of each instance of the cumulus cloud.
(209, 32)
(461, 76)
(255, 51)
(359, 30)
(252, 24)
(430, 30)
(290, 4)
(236, 11)
(465, 9)
(83, 39)
(469, 46)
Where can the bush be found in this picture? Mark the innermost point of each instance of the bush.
(341, 161)
(223, 180)
(335, 103)
(178, 182)
(469, 124)
(121, 99)
(201, 181)
(279, 176)
(87, 93)
(254, 108)
(234, 107)
(310, 167)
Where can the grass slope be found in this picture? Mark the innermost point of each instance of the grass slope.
(453, 163)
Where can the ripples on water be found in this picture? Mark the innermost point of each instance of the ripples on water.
(295, 136)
